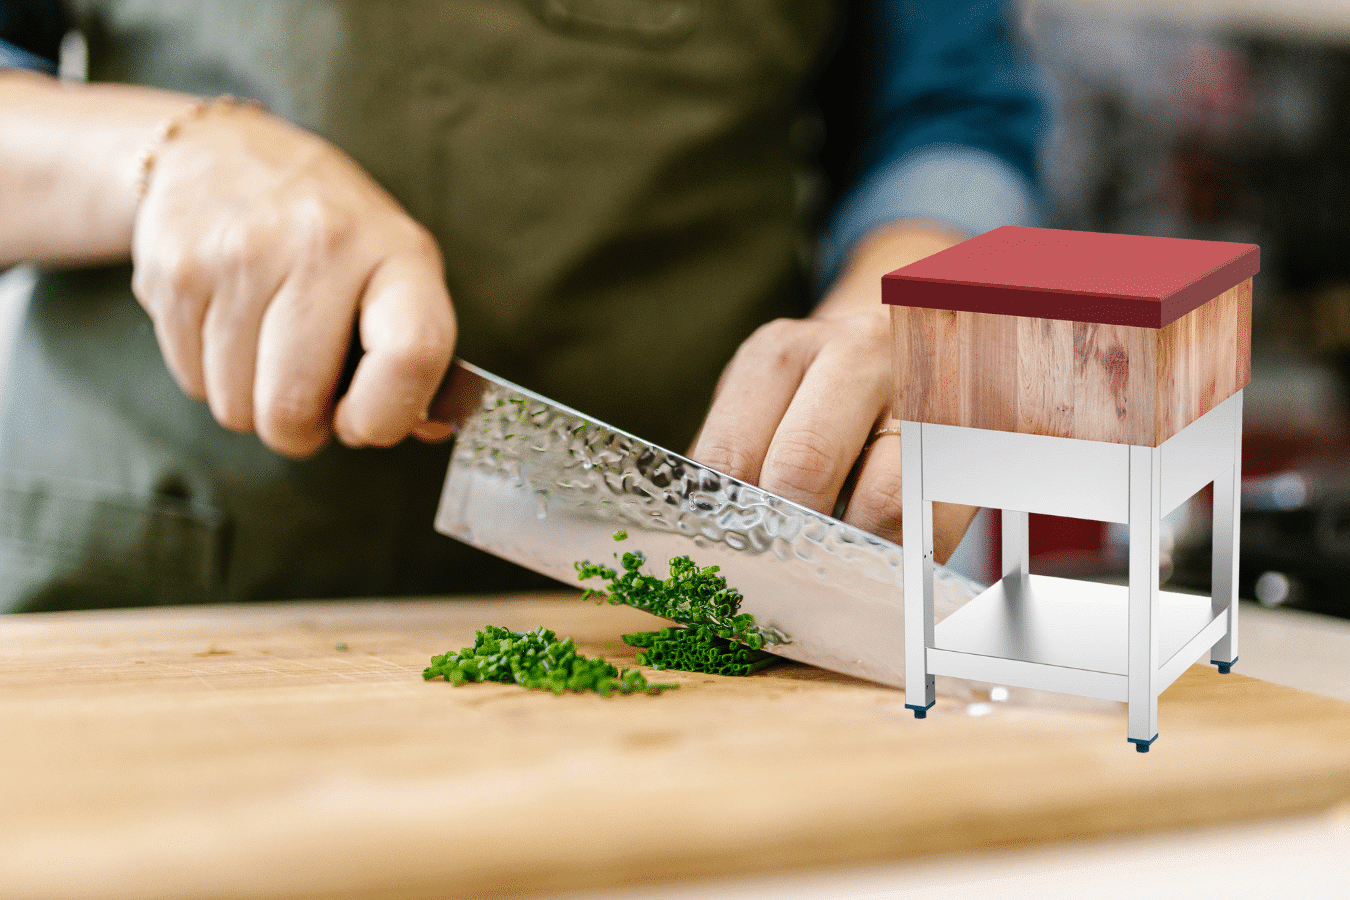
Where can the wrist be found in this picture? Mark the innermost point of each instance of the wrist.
(168, 129)
(67, 166)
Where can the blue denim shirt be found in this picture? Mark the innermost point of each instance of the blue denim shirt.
(951, 124)
(30, 34)
(951, 120)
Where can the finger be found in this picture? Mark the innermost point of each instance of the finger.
(230, 333)
(950, 522)
(875, 504)
(408, 336)
(844, 392)
(176, 295)
(302, 345)
(752, 395)
(433, 432)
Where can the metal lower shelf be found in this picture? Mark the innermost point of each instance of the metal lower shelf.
(1063, 635)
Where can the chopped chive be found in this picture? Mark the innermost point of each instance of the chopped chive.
(698, 649)
(691, 595)
(716, 637)
(537, 660)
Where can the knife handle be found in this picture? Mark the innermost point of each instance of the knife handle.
(459, 396)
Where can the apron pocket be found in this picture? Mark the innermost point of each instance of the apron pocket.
(72, 546)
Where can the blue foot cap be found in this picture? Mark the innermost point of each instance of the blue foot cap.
(920, 712)
(1142, 745)
(1224, 667)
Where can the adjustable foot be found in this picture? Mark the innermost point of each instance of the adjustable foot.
(920, 712)
(1224, 667)
(1142, 745)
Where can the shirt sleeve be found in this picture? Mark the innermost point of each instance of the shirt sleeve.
(31, 33)
(950, 125)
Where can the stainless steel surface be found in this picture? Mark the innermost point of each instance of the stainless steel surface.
(545, 486)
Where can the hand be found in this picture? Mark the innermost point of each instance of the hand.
(257, 249)
(797, 404)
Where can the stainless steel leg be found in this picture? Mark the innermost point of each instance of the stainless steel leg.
(1145, 503)
(1224, 561)
(920, 690)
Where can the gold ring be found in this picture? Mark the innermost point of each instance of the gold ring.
(880, 433)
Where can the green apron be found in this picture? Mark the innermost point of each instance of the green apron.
(615, 185)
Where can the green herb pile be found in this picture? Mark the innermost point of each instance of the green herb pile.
(719, 639)
(536, 659)
(697, 649)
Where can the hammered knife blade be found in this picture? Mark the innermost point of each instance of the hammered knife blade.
(545, 486)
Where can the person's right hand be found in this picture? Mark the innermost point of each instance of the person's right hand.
(257, 250)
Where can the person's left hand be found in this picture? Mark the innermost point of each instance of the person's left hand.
(796, 407)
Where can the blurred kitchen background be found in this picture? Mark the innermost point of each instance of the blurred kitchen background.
(1215, 119)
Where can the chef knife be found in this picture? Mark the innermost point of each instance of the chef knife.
(545, 486)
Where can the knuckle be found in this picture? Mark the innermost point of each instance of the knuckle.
(322, 230)
(420, 356)
(158, 283)
(773, 350)
(738, 462)
(775, 340)
(777, 330)
(236, 242)
(186, 277)
(802, 464)
(232, 260)
(290, 423)
(870, 334)
(877, 503)
(422, 244)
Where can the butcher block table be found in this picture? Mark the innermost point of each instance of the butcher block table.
(1096, 376)
(241, 752)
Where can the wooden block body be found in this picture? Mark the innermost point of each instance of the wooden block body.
(1119, 383)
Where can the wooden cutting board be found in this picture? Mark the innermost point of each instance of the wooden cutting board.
(235, 752)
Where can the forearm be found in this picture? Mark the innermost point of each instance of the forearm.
(69, 165)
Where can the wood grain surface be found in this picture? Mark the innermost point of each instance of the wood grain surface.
(1119, 383)
(235, 752)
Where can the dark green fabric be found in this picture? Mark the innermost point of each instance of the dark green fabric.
(615, 187)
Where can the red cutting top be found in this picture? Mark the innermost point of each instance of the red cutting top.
(1082, 276)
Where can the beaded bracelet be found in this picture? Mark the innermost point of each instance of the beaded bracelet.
(169, 128)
